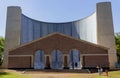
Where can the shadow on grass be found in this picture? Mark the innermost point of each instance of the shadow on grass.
(4, 73)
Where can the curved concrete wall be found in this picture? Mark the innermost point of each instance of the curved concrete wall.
(82, 29)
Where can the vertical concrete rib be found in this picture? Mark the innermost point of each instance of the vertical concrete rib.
(105, 31)
(13, 31)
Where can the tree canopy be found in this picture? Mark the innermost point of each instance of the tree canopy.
(1, 48)
(117, 41)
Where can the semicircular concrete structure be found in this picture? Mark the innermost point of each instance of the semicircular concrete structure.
(96, 28)
(82, 29)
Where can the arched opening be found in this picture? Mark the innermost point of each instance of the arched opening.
(39, 60)
(74, 59)
(56, 59)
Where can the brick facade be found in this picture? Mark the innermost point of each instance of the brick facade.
(64, 44)
(19, 62)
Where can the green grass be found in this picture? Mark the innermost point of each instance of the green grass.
(112, 74)
(11, 75)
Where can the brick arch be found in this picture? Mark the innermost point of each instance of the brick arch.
(74, 49)
(37, 50)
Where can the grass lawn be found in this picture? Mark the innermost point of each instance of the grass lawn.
(112, 74)
(12, 74)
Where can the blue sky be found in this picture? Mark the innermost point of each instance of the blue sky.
(57, 10)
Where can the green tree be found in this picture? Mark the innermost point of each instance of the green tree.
(1, 49)
(117, 41)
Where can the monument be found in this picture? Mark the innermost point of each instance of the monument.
(84, 43)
